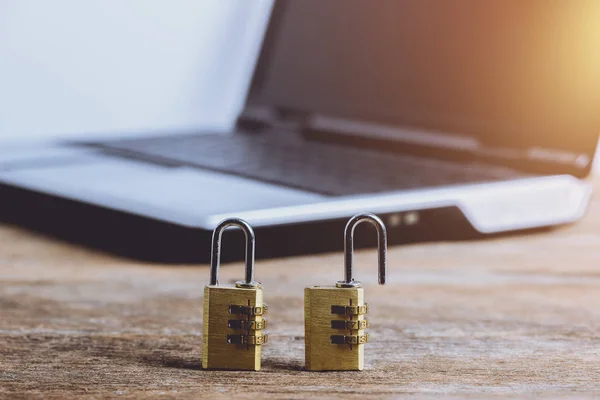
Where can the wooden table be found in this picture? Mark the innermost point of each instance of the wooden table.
(504, 317)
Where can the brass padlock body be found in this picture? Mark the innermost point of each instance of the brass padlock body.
(232, 331)
(334, 325)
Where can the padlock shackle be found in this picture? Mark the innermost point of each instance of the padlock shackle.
(215, 258)
(349, 248)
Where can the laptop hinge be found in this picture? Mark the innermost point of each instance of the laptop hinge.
(447, 141)
(372, 130)
(264, 117)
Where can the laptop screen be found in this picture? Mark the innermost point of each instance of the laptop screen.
(508, 73)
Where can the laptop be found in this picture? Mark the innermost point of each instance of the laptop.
(449, 119)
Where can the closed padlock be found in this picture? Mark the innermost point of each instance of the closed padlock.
(233, 316)
(334, 316)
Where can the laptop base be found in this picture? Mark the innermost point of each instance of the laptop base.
(151, 240)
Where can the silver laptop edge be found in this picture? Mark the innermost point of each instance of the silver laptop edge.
(489, 207)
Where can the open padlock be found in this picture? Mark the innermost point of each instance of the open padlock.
(233, 316)
(334, 316)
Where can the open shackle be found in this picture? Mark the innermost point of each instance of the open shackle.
(215, 258)
(349, 281)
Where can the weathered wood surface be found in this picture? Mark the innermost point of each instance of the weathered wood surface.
(505, 317)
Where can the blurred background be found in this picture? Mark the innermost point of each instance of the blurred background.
(71, 68)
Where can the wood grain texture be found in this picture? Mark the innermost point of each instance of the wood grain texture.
(321, 354)
(506, 317)
(217, 353)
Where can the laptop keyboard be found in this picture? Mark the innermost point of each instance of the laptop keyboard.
(312, 166)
